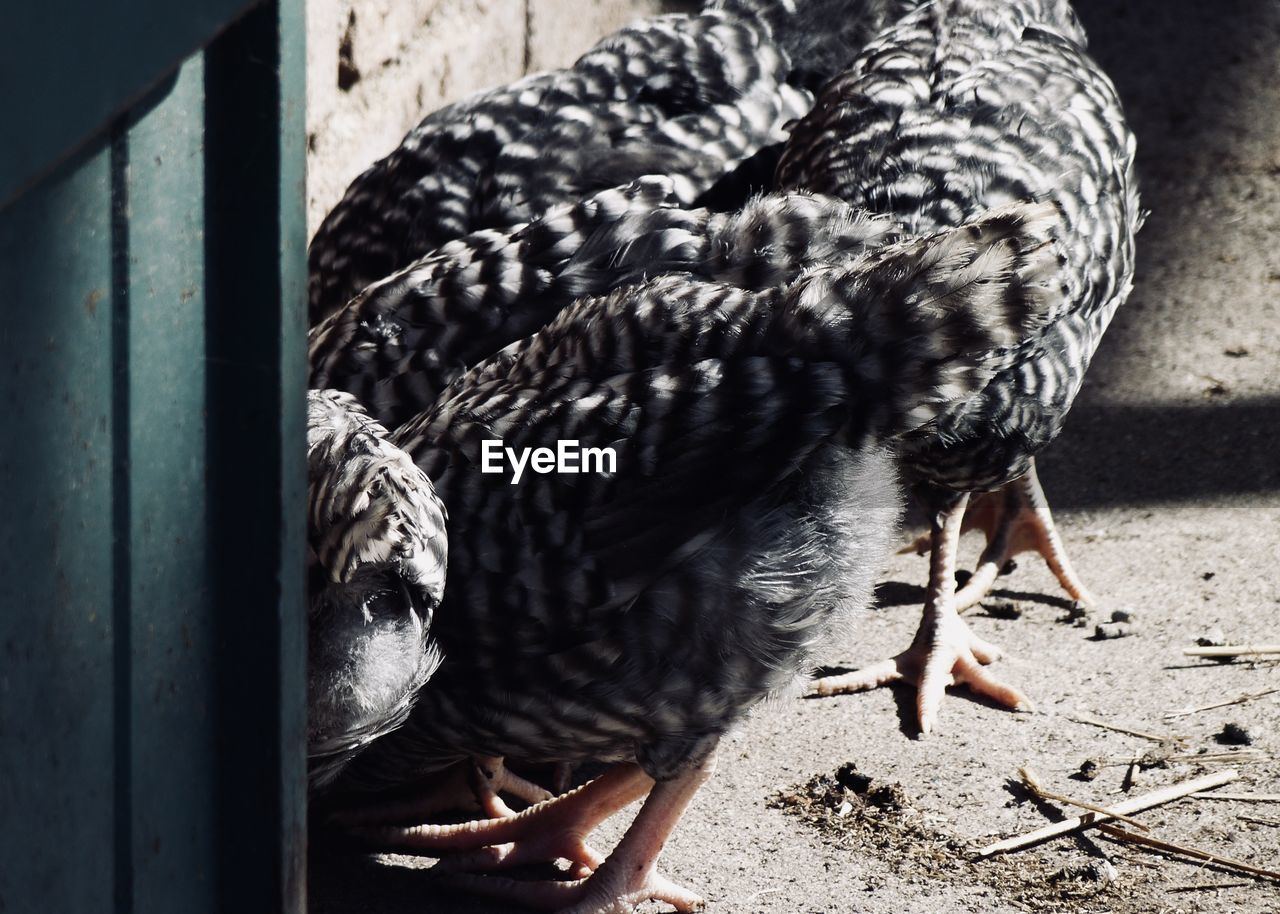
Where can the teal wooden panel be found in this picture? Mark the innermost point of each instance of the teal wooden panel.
(69, 67)
(152, 617)
(172, 651)
(57, 661)
(291, 202)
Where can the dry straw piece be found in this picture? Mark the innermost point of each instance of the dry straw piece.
(1232, 650)
(1186, 851)
(1258, 820)
(1125, 807)
(1033, 784)
(1238, 700)
(1208, 886)
(1092, 721)
(1241, 797)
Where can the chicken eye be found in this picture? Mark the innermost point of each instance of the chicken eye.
(394, 602)
(382, 603)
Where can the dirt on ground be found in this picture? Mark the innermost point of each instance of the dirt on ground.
(1166, 486)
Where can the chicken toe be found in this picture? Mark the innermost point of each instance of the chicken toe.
(473, 785)
(944, 651)
(627, 878)
(1016, 518)
(552, 830)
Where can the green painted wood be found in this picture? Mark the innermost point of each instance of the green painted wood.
(69, 67)
(291, 201)
(172, 652)
(152, 618)
(57, 722)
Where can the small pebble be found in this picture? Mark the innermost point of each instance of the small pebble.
(1003, 609)
(1214, 637)
(1089, 770)
(845, 808)
(1234, 734)
(1153, 758)
(849, 777)
(1111, 630)
(1121, 615)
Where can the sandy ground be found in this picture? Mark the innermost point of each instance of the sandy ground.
(1166, 485)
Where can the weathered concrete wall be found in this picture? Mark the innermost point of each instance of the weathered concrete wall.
(376, 67)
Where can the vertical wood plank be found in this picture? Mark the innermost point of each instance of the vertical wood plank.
(57, 771)
(172, 649)
(255, 275)
(152, 477)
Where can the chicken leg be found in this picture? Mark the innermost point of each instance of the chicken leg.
(944, 652)
(474, 784)
(554, 829)
(557, 829)
(629, 876)
(1015, 518)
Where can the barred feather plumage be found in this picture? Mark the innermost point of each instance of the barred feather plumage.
(689, 96)
(377, 550)
(820, 37)
(967, 104)
(637, 614)
(397, 344)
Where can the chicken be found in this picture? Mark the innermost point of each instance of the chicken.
(959, 106)
(377, 553)
(397, 344)
(690, 96)
(631, 616)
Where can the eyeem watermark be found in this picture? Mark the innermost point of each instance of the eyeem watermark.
(566, 457)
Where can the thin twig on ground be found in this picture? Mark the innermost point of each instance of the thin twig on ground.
(1208, 758)
(1207, 886)
(1238, 700)
(1241, 797)
(1033, 784)
(1227, 758)
(1092, 721)
(1232, 650)
(1196, 853)
(1259, 820)
(1125, 807)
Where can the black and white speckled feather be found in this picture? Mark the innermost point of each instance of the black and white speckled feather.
(398, 343)
(688, 96)
(967, 104)
(818, 37)
(638, 614)
(377, 549)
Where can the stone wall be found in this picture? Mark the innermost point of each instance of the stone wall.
(376, 67)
